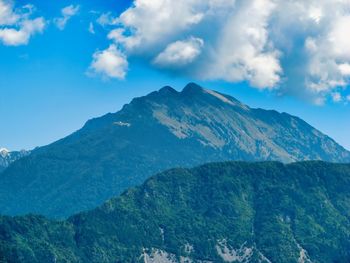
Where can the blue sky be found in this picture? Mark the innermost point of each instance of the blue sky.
(51, 85)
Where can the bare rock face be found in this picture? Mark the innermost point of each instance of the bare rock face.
(221, 122)
(162, 130)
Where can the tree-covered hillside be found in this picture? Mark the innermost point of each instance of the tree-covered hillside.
(220, 212)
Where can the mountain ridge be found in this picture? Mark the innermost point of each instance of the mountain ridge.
(152, 133)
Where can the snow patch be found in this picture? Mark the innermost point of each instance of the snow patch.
(120, 123)
(4, 152)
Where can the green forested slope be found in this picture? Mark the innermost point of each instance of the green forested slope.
(233, 212)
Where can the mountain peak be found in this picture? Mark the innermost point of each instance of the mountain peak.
(192, 88)
(167, 90)
(4, 152)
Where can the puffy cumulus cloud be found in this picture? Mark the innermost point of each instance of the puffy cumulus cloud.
(243, 50)
(158, 21)
(21, 36)
(7, 14)
(180, 53)
(295, 47)
(67, 13)
(311, 37)
(328, 55)
(201, 38)
(109, 63)
(16, 24)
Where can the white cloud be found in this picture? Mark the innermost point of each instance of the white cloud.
(180, 53)
(328, 56)
(109, 63)
(91, 28)
(338, 37)
(16, 25)
(344, 69)
(336, 96)
(316, 70)
(7, 14)
(157, 21)
(316, 14)
(106, 19)
(237, 45)
(243, 51)
(67, 13)
(21, 36)
(300, 48)
(157, 29)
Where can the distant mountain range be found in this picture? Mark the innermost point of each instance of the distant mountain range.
(162, 130)
(7, 157)
(221, 212)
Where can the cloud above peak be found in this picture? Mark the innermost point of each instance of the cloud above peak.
(298, 47)
(17, 25)
(180, 53)
(109, 63)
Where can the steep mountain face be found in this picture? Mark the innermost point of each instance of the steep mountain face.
(221, 212)
(7, 157)
(162, 130)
